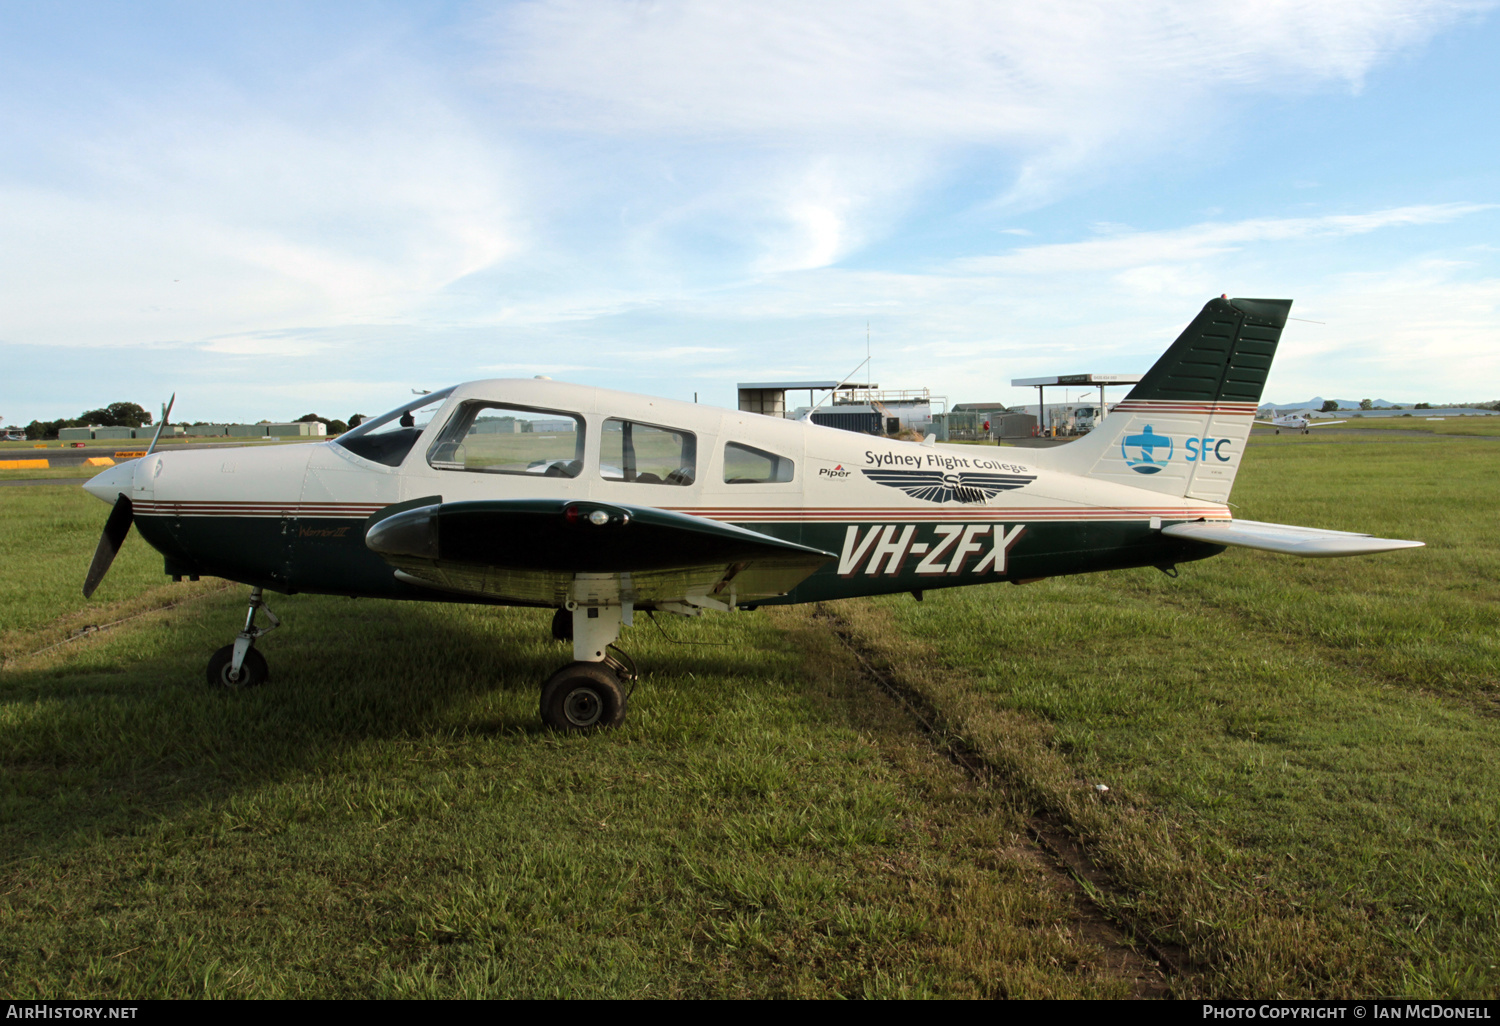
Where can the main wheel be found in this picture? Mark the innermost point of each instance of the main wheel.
(253, 672)
(562, 625)
(583, 696)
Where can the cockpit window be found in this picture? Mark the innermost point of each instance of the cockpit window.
(389, 437)
(647, 454)
(746, 465)
(496, 438)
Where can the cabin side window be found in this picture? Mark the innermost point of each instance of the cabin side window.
(647, 453)
(496, 438)
(744, 464)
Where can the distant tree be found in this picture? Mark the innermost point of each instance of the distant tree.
(41, 430)
(1329, 405)
(356, 420)
(116, 415)
(1366, 404)
(1422, 406)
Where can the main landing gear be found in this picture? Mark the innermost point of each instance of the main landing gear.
(239, 665)
(589, 693)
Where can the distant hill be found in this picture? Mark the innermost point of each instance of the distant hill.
(1317, 401)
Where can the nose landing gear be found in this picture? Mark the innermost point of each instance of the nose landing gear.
(239, 665)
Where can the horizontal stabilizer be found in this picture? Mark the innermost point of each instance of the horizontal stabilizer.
(1292, 541)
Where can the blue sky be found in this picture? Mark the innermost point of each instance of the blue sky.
(275, 210)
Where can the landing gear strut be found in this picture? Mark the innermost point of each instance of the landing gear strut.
(589, 693)
(239, 665)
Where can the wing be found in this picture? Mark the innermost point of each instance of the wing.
(1293, 541)
(533, 550)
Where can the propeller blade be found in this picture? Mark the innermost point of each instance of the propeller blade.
(115, 530)
(166, 411)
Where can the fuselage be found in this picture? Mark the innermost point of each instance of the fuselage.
(898, 516)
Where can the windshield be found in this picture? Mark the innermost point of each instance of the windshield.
(389, 437)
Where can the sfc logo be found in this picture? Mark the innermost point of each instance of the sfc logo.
(1147, 452)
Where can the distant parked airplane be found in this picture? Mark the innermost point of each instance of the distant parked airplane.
(1297, 422)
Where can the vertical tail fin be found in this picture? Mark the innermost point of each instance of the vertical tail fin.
(1182, 429)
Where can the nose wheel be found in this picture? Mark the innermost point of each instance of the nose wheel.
(238, 666)
(253, 671)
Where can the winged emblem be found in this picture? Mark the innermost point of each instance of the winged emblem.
(942, 486)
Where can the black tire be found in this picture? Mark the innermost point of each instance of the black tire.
(562, 625)
(253, 673)
(581, 697)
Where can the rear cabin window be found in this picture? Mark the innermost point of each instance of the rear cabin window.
(744, 464)
(495, 438)
(647, 453)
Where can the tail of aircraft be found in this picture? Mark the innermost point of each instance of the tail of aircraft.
(1182, 429)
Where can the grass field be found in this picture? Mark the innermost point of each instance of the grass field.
(1299, 755)
(1488, 427)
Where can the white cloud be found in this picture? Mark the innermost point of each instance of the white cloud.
(674, 352)
(1137, 251)
(961, 68)
(231, 219)
(1061, 83)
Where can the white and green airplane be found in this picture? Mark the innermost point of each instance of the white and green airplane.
(602, 504)
(1297, 422)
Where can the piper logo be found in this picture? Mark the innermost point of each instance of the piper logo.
(946, 550)
(837, 471)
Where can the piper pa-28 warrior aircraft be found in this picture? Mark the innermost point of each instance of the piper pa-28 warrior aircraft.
(602, 505)
(1297, 422)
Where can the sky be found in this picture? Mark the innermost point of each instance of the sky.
(273, 210)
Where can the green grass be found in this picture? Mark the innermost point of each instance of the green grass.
(1300, 753)
(388, 818)
(1472, 426)
(47, 543)
(1300, 756)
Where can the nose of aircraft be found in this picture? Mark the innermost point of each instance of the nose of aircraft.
(112, 482)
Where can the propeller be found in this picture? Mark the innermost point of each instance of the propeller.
(166, 411)
(115, 530)
(120, 518)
